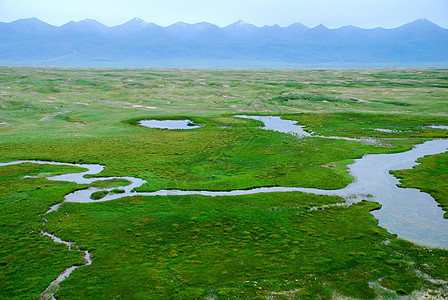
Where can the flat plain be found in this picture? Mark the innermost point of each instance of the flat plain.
(263, 246)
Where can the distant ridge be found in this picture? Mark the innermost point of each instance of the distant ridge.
(137, 43)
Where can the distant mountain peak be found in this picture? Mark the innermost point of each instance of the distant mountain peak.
(85, 25)
(31, 24)
(33, 19)
(93, 22)
(320, 27)
(297, 24)
(271, 26)
(86, 21)
(137, 22)
(133, 25)
(180, 24)
(137, 42)
(240, 26)
(196, 25)
(205, 26)
(245, 25)
(421, 26)
(422, 21)
(297, 27)
(350, 29)
(241, 22)
(187, 30)
(29, 21)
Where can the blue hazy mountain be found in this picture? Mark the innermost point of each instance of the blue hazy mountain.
(137, 43)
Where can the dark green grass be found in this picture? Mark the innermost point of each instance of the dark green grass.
(98, 195)
(243, 247)
(285, 97)
(193, 247)
(365, 125)
(215, 158)
(117, 191)
(208, 158)
(431, 176)
(28, 261)
(110, 183)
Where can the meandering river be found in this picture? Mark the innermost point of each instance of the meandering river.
(409, 213)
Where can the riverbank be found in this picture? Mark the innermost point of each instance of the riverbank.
(195, 246)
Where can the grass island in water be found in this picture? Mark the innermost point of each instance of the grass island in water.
(262, 246)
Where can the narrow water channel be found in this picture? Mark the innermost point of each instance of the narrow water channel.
(48, 293)
(409, 213)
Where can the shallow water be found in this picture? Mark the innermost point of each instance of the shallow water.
(409, 213)
(278, 124)
(291, 127)
(384, 130)
(439, 126)
(48, 293)
(168, 124)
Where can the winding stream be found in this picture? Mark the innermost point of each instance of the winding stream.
(48, 293)
(409, 213)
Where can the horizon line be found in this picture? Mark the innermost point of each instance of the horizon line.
(236, 22)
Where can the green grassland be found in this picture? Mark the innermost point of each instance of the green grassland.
(257, 246)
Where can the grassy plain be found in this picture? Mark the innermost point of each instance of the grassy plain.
(261, 246)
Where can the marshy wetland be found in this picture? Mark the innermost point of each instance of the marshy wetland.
(271, 245)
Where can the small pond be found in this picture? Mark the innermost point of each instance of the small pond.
(169, 124)
(410, 213)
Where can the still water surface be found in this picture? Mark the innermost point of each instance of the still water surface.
(168, 124)
(409, 213)
(278, 124)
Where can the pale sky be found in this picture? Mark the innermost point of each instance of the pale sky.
(331, 13)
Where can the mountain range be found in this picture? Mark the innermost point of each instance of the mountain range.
(137, 43)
